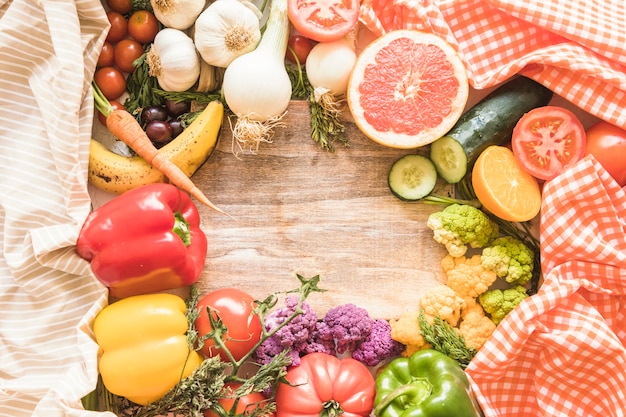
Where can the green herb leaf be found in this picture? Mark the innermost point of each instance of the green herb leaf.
(443, 338)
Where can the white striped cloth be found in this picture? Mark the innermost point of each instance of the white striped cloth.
(48, 52)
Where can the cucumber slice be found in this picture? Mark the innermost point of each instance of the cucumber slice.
(412, 177)
(449, 158)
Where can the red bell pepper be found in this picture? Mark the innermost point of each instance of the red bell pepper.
(144, 240)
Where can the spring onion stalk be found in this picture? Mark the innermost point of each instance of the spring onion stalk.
(256, 85)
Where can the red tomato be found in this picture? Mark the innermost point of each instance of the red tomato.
(548, 139)
(107, 55)
(111, 81)
(119, 26)
(323, 20)
(236, 310)
(127, 51)
(121, 6)
(323, 382)
(245, 405)
(116, 106)
(300, 46)
(607, 143)
(143, 26)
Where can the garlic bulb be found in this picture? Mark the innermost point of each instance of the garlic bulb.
(225, 30)
(177, 14)
(173, 60)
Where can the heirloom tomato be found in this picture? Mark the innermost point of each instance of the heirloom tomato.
(607, 143)
(323, 20)
(324, 384)
(548, 139)
(235, 309)
(143, 26)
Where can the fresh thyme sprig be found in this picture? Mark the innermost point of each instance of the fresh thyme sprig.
(443, 338)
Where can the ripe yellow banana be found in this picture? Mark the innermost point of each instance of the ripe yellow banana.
(116, 174)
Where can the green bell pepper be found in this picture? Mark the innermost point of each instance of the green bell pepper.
(426, 384)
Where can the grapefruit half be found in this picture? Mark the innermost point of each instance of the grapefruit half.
(407, 89)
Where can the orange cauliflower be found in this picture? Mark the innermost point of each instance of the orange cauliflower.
(406, 330)
(442, 301)
(475, 326)
(467, 276)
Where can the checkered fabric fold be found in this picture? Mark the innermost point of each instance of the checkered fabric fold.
(574, 47)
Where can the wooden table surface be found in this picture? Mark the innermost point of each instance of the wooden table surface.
(297, 209)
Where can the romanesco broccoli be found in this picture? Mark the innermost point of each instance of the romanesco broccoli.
(510, 259)
(498, 303)
(460, 225)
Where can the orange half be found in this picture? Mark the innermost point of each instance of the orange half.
(503, 187)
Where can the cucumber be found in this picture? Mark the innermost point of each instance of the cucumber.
(488, 122)
(412, 177)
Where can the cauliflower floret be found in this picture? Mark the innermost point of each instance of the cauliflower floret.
(510, 259)
(378, 345)
(475, 326)
(498, 303)
(347, 325)
(406, 330)
(444, 302)
(460, 225)
(467, 276)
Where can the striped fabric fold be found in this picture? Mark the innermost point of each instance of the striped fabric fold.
(48, 297)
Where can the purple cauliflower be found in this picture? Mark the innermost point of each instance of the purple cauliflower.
(378, 345)
(294, 336)
(346, 325)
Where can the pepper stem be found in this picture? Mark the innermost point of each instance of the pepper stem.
(418, 389)
(181, 228)
(331, 409)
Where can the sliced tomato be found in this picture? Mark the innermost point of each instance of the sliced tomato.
(323, 20)
(607, 143)
(548, 139)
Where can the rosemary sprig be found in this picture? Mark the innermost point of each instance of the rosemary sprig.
(443, 338)
(203, 98)
(326, 124)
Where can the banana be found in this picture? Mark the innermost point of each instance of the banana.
(116, 174)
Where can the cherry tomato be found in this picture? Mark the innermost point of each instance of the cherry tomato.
(299, 45)
(246, 404)
(126, 52)
(607, 143)
(116, 106)
(143, 26)
(119, 26)
(323, 20)
(236, 310)
(548, 139)
(111, 81)
(120, 6)
(107, 55)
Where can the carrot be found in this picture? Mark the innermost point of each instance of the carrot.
(126, 128)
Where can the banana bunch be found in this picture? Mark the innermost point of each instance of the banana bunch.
(116, 174)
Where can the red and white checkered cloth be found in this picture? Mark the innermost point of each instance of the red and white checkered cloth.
(562, 351)
(577, 48)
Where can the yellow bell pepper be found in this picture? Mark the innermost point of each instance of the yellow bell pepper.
(144, 349)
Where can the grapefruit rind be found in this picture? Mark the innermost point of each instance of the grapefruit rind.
(398, 139)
